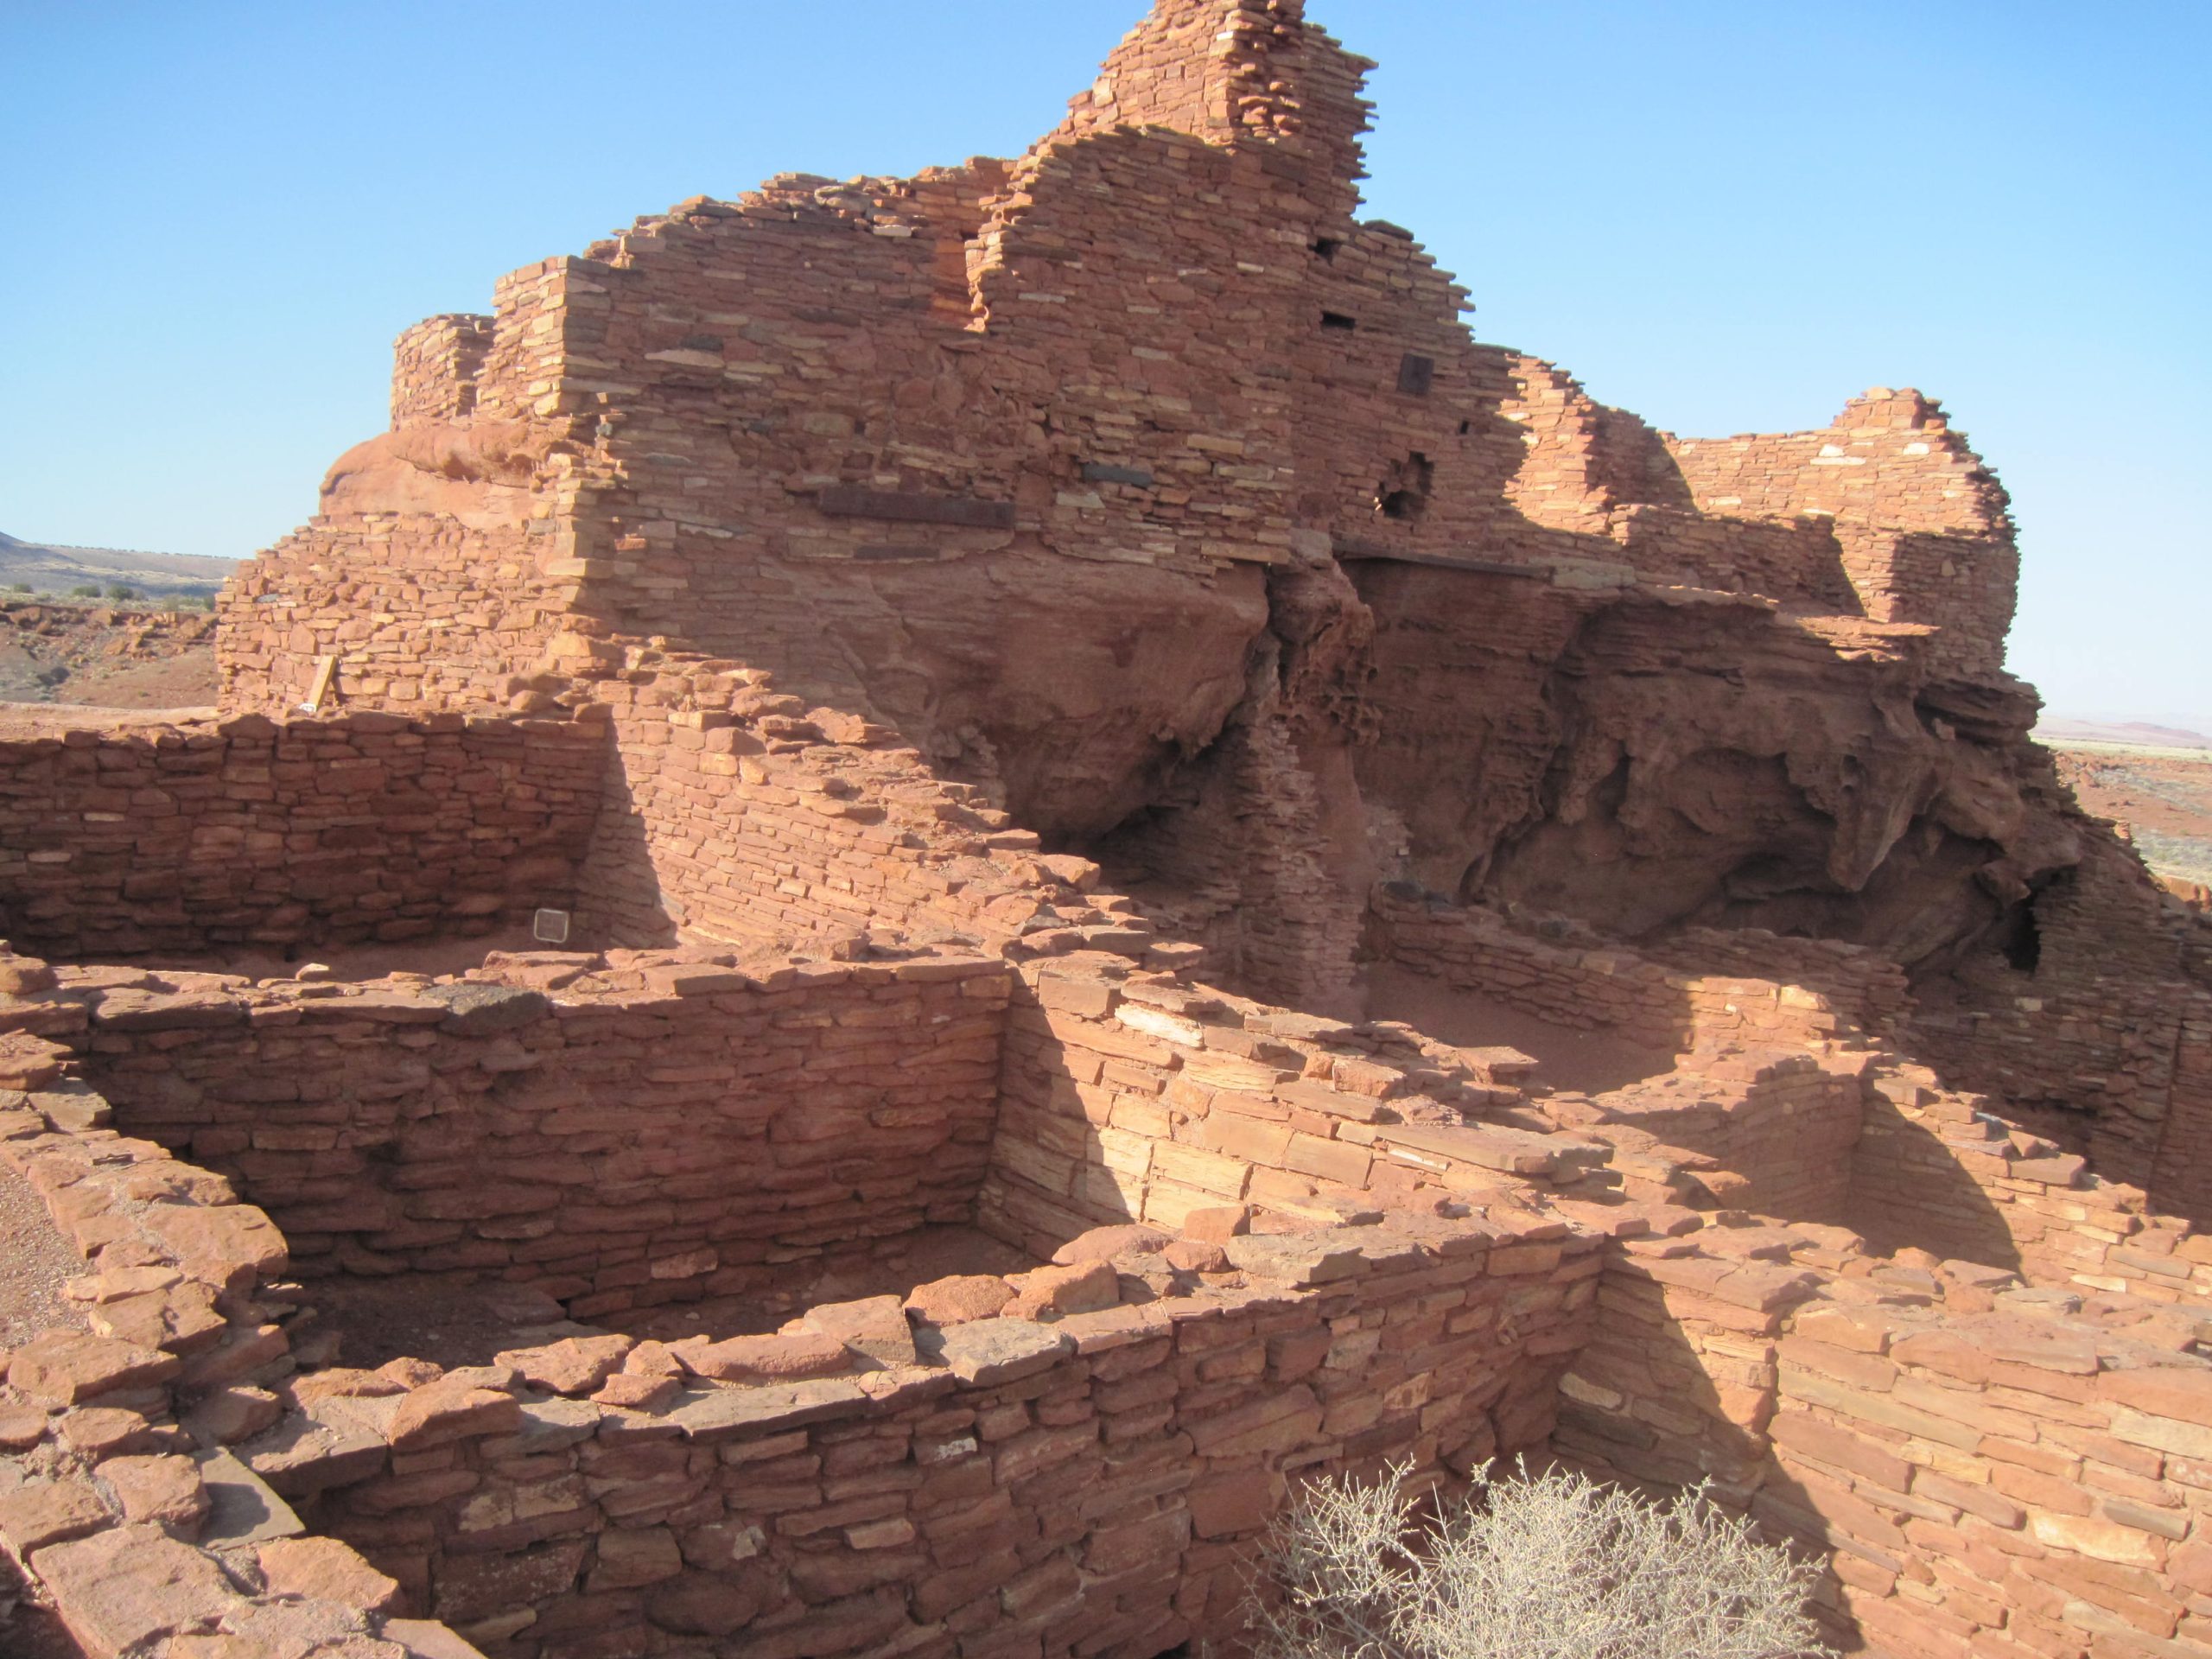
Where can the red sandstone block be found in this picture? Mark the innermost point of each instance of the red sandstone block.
(64, 1368)
(764, 1358)
(48, 1512)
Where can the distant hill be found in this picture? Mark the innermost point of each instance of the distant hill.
(2142, 733)
(54, 568)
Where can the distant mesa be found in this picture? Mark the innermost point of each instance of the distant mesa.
(2062, 731)
(56, 568)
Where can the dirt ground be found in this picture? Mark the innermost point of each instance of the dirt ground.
(1587, 1062)
(105, 657)
(2164, 797)
(35, 1261)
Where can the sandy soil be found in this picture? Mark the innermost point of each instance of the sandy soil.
(34, 1262)
(100, 656)
(20, 720)
(2163, 796)
(1587, 1062)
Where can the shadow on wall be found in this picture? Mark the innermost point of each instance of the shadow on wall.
(1680, 1390)
(618, 895)
(1911, 1186)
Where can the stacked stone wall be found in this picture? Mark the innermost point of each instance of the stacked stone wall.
(1924, 529)
(1087, 1484)
(744, 815)
(638, 1135)
(1773, 1131)
(2104, 1045)
(1597, 987)
(1127, 1098)
(366, 827)
(1989, 1472)
(434, 366)
(117, 1496)
(1941, 1171)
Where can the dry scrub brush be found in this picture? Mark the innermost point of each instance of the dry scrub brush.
(1533, 1566)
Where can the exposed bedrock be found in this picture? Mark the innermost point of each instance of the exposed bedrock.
(1640, 759)
(1656, 759)
(1076, 690)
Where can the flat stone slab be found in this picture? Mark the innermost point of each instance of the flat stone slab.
(128, 1586)
(709, 1414)
(243, 1509)
(987, 1352)
(1295, 1259)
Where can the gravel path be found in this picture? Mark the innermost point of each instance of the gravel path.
(34, 1262)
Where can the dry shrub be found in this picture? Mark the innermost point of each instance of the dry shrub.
(1533, 1566)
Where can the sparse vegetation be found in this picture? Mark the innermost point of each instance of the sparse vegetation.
(85, 591)
(1533, 1566)
(119, 590)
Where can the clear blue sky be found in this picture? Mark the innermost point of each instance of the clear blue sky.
(1728, 217)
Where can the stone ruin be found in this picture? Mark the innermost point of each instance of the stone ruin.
(1154, 874)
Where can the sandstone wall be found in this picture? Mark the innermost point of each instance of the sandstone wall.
(1992, 1474)
(1126, 1099)
(1944, 1172)
(1087, 1484)
(137, 1528)
(366, 827)
(637, 1136)
(1602, 986)
(1771, 1130)
(743, 815)
(2102, 1041)
(1923, 527)
(434, 366)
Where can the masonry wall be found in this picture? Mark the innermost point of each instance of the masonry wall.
(1125, 1098)
(1943, 1171)
(639, 1136)
(1774, 1131)
(434, 366)
(443, 553)
(134, 1531)
(366, 827)
(1089, 1485)
(1600, 987)
(740, 814)
(1992, 1475)
(1923, 527)
(2105, 1046)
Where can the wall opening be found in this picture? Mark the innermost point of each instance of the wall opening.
(1403, 493)
(2021, 940)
